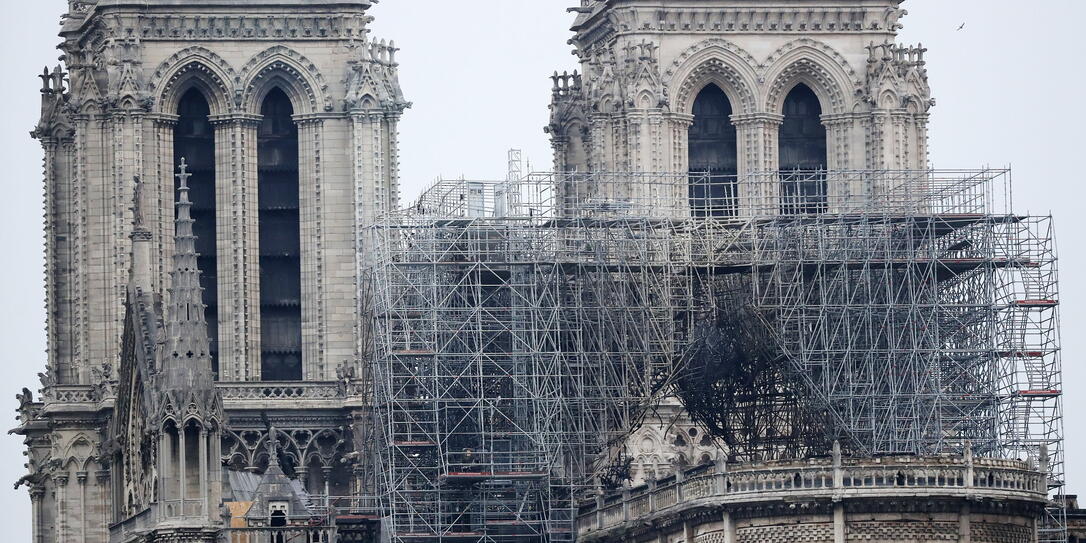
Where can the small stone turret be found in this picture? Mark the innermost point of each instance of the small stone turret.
(186, 381)
(188, 406)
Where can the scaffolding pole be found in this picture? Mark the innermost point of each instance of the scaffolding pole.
(523, 328)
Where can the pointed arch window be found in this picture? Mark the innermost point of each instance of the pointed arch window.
(280, 242)
(713, 155)
(194, 141)
(802, 152)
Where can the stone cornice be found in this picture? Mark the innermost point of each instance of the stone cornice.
(176, 20)
(620, 17)
(313, 118)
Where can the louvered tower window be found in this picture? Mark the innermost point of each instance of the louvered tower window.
(713, 155)
(280, 255)
(802, 153)
(194, 141)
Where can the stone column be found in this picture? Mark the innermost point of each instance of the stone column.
(729, 527)
(921, 160)
(840, 531)
(53, 233)
(370, 163)
(81, 478)
(844, 188)
(163, 466)
(392, 132)
(965, 525)
(237, 227)
(105, 501)
(601, 140)
(183, 474)
(60, 482)
(37, 492)
(302, 474)
(202, 450)
(215, 474)
(679, 125)
(678, 159)
(757, 135)
(879, 141)
(559, 146)
(311, 194)
(160, 194)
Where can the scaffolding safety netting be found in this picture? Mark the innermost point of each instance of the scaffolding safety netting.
(522, 329)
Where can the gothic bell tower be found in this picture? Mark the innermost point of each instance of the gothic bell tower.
(285, 113)
(740, 86)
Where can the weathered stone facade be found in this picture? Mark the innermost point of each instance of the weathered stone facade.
(157, 421)
(110, 116)
(630, 108)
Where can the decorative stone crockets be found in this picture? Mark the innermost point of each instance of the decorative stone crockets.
(184, 384)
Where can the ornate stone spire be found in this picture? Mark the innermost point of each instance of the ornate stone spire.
(185, 376)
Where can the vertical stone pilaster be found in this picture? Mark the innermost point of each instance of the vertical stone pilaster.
(372, 190)
(37, 494)
(160, 194)
(879, 141)
(392, 132)
(120, 163)
(560, 147)
(369, 165)
(202, 451)
(215, 473)
(840, 531)
(729, 528)
(182, 469)
(60, 482)
(237, 216)
(965, 525)
(163, 465)
(104, 502)
(921, 160)
(838, 139)
(81, 478)
(311, 189)
(679, 125)
(601, 138)
(757, 134)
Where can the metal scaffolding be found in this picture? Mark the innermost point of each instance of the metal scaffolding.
(523, 328)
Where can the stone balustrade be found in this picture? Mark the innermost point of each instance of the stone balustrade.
(733, 486)
(293, 390)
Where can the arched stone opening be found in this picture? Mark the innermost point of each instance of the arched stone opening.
(802, 153)
(713, 155)
(194, 142)
(280, 246)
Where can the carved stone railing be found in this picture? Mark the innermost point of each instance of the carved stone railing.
(69, 394)
(276, 535)
(302, 392)
(321, 505)
(750, 484)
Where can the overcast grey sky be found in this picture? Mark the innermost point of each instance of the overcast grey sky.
(1008, 87)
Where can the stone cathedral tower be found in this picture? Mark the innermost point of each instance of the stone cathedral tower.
(285, 112)
(740, 91)
(229, 359)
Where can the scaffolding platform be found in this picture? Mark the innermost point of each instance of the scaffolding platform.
(529, 322)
